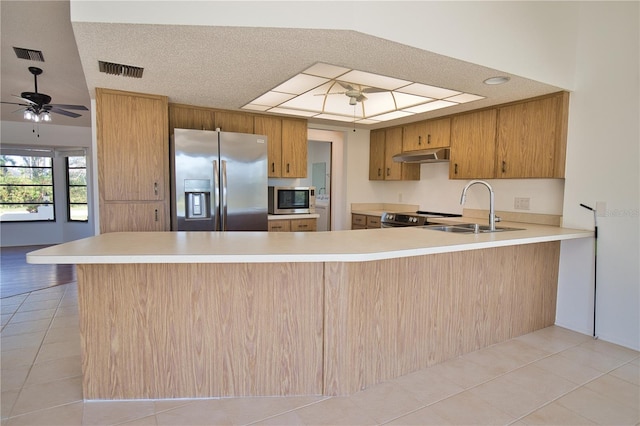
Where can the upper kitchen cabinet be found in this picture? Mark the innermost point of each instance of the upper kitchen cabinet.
(287, 145)
(133, 155)
(427, 134)
(532, 138)
(191, 117)
(238, 122)
(383, 145)
(202, 118)
(473, 145)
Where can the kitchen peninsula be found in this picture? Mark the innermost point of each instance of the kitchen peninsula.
(210, 314)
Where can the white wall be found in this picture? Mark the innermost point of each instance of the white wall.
(60, 231)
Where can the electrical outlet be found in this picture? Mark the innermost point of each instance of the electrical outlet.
(521, 203)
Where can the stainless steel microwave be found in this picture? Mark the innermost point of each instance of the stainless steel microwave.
(292, 199)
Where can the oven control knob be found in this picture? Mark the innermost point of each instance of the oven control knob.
(390, 216)
(413, 219)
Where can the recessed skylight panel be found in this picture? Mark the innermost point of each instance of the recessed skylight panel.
(464, 98)
(430, 106)
(428, 91)
(272, 99)
(405, 100)
(373, 80)
(326, 70)
(300, 83)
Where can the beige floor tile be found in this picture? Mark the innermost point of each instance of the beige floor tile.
(48, 395)
(18, 357)
(497, 362)
(66, 311)
(629, 372)
(57, 369)
(589, 358)
(13, 378)
(25, 327)
(599, 408)
(22, 341)
(12, 303)
(520, 352)
(205, 412)
(553, 339)
(428, 386)
(467, 409)
(617, 389)
(386, 401)
(464, 373)
(38, 305)
(331, 411)
(67, 334)
(115, 412)
(425, 416)
(555, 414)
(65, 322)
(64, 415)
(567, 368)
(44, 295)
(51, 351)
(145, 421)
(4, 318)
(249, 410)
(7, 401)
(540, 381)
(610, 349)
(33, 315)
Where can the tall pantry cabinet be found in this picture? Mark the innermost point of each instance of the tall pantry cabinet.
(133, 155)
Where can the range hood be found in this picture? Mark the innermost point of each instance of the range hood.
(436, 155)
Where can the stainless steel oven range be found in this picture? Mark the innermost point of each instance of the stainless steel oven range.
(419, 218)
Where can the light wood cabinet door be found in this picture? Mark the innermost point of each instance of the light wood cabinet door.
(190, 117)
(358, 221)
(294, 148)
(271, 127)
(427, 134)
(121, 217)
(279, 225)
(133, 146)
(473, 145)
(303, 225)
(234, 122)
(393, 146)
(531, 139)
(376, 154)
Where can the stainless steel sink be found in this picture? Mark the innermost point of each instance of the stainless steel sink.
(468, 228)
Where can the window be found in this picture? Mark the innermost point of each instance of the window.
(77, 207)
(26, 188)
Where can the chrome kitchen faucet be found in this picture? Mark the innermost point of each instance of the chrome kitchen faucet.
(492, 213)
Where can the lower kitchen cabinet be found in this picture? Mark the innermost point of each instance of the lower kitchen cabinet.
(132, 216)
(363, 221)
(293, 225)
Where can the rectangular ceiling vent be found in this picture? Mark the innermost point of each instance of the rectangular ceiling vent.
(29, 54)
(120, 69)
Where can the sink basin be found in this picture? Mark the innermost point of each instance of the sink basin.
(468, 228)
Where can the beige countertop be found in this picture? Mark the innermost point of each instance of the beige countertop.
(265, 247)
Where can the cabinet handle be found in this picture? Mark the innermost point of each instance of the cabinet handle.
(273, 167)
(303, 226)
(419, 140)
(429, 138)
(504, 167)
(287, 167)
(155, 188)
(455, 168)
(156, 215)
(379, 172)
(388, 171)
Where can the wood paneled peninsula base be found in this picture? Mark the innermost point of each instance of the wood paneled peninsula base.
(185, 330)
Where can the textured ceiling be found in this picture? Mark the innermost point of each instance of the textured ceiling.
(219, 67)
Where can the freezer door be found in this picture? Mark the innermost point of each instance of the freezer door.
(243, 180)
(195, 174)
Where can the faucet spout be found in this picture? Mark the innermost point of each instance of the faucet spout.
(492, 213)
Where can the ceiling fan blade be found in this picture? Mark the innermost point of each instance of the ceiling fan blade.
(63, 112)
(361, 98)
(28, 101)
(347, 86)
(76, 107)
(14, 103)
(373, 90)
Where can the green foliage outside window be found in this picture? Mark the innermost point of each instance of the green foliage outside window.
(26, 186)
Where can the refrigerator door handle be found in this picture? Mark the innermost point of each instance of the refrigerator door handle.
(223, 198)
(216, 198)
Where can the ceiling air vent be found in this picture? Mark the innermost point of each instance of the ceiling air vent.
(120, 69)
(30, 54)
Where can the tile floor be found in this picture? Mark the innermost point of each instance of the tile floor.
(553, 376)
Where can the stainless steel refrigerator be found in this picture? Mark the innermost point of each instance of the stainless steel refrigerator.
(219, 181)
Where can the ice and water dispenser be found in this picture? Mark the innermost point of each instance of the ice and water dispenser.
(197, 194)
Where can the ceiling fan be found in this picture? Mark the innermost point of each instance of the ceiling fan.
(37, 106)
(356, 95)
